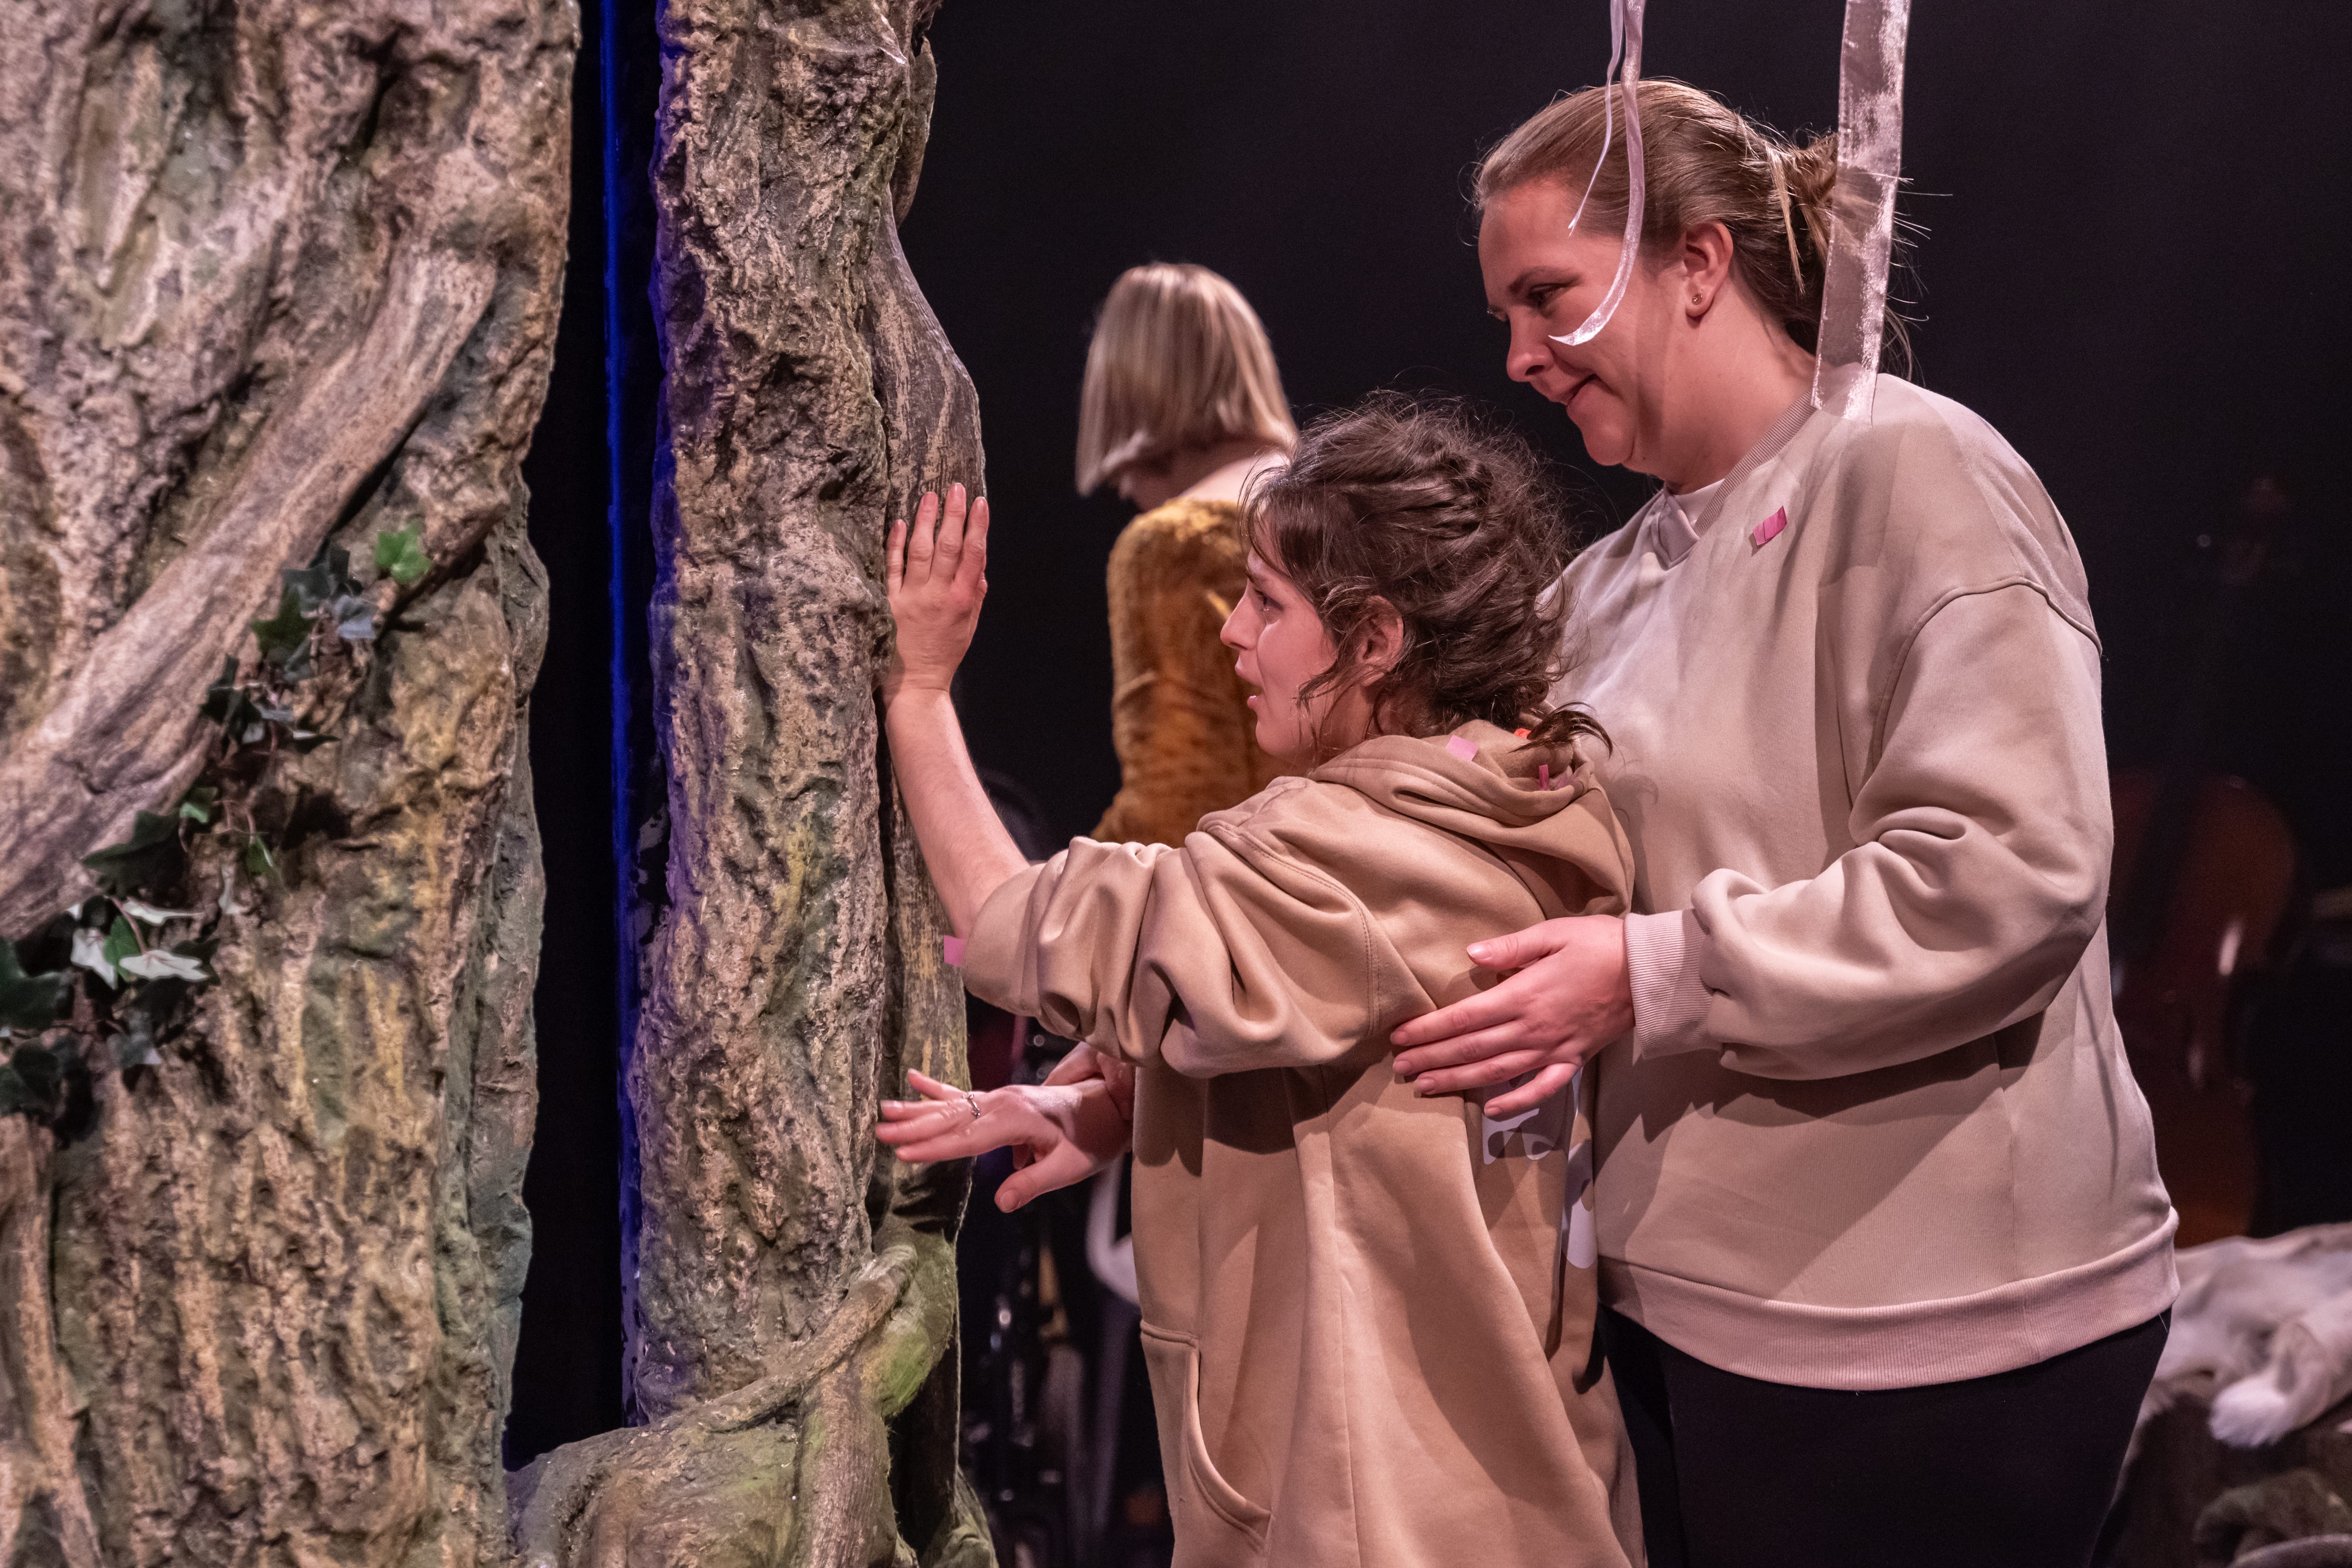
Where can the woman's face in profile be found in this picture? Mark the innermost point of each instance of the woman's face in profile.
(1281, 644)
(1542, 280)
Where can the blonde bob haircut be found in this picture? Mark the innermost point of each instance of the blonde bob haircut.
(1179, 362)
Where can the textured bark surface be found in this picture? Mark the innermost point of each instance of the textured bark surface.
(792, 1307)
(273, 275)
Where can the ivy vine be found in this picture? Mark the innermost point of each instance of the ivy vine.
(103, 981)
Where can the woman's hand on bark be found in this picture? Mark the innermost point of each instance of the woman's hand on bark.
(1570, 996)
(937, 574)
(1060, 1134)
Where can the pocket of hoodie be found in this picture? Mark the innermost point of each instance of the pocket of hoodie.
(1175, 1361)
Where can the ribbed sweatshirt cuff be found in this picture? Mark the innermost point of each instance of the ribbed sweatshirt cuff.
(1662, 960)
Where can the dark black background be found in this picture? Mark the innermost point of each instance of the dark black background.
(2130, 248)
(2129, 258)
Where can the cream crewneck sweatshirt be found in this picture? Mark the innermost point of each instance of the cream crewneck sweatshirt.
(1873, 1127)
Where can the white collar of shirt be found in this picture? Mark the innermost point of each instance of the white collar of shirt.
(1673, 522)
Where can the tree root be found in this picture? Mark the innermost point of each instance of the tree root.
(794, 1468)
(122, 734)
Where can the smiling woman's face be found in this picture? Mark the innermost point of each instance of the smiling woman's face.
(1542, 280)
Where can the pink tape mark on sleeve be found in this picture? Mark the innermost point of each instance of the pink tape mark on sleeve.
(953, 947)
(1466, 750)
(1543, 775)
(1766, 531)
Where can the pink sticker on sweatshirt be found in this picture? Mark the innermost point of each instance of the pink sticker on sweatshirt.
(1766, 531)
(951, 948)
(1466, 750)
(1543, 775)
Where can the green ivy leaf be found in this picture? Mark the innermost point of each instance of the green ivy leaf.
(147, 831)
(90, 952)
(45, 947)
(325, 580)
(197, 805)
(354, 617)
(122, 943)
(146, 857)
(135, 1045)
(400, 554)
(225, 703)
(157, 964)
(313, 588)
(33, 1083)
(30, 1001)
(285, 634)
(259, 861)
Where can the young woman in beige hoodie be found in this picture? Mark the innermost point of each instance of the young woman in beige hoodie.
(1881, 1233)
(1366, 1312)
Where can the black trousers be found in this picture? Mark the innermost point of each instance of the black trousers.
(2015, 1470)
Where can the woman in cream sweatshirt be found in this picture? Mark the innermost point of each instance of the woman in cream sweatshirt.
(1366, 1312)
(1881, 1233)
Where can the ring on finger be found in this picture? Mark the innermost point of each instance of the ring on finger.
(971, 1103)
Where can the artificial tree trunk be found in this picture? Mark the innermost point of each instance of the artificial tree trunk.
(277, 279)
(792, 1299)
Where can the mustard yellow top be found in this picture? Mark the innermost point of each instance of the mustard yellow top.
(1180, 718)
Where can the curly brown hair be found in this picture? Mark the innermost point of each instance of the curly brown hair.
(1452, 522)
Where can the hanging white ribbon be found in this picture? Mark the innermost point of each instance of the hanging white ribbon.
(1625, 46)
(1862, 205)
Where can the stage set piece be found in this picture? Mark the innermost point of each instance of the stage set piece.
(791, 1301)
(279, 290)
(274, 329)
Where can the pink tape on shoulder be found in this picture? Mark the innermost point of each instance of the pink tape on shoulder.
(1467, 750)
(1766, 531)
(1543, 775)
(951, 948)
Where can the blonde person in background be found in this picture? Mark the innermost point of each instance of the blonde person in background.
(1181, 409)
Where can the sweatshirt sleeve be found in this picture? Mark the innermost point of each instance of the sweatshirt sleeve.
(1197, 956)
(1982, 837)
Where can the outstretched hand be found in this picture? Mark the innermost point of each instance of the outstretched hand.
(937, 576)
(1062, 1134)
(1570, 998)
(1082, 1063)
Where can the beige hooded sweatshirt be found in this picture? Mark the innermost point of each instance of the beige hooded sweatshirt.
(1875, 1127)
(1368, 1315)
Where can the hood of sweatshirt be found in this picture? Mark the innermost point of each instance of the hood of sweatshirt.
(1486, 784)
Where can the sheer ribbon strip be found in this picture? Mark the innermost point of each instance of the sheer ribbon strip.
(1862, 205)
(1625, 46)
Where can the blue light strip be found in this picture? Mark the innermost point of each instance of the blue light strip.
(610, 108)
